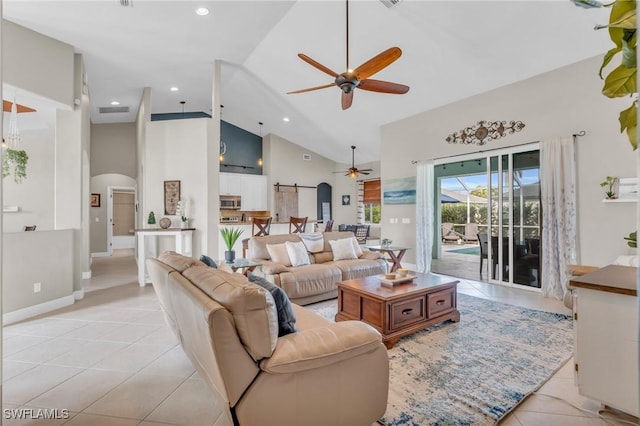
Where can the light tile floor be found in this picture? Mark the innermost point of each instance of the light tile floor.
(110, 360)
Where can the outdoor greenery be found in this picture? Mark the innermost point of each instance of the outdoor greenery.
(372, 213)
(16, 159)
(621, 81)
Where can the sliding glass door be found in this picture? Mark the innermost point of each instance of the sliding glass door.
(515, 216)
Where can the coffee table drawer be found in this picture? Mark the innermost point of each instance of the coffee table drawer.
(406, 312)
(440, 302)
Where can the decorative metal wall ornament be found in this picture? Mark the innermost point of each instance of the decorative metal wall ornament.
(484, 132)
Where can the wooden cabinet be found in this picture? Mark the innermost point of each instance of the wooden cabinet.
(606, 336)
(230, 184)
(251, 188)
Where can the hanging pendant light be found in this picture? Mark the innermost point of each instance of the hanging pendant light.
(260, 162)
(13, 136)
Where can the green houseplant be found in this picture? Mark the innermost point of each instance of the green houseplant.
(16, 159)
(230, 236)
(632, 239)
(621, 81)
(610, 183)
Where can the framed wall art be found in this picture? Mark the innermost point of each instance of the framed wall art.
(346, 200)
(171, 196)
(399, 191)
(95, 200)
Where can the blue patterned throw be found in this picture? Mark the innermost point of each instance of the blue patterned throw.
(475, 371)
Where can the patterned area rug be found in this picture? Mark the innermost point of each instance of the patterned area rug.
(475, 371)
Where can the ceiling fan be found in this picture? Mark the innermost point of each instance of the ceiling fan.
(349, 80)
(353, 170)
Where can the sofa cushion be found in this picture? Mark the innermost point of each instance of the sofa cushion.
(360, 268)
(258, 245)
(343, 249)
(323, 257)
(297, 253)
(253, 308)
(313, 242)
(310, 280)
(286, 316)
(208, 261)
(278, 254)
(356, 247)
(179, 262)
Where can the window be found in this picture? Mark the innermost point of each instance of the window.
(371, 201)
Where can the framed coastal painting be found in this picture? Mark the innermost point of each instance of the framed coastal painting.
(399, 191)
(171, 196)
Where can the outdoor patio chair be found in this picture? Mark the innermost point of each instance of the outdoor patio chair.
(471, 232)
(484, 249)
(449, 234)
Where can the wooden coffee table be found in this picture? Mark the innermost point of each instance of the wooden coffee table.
(400, 310)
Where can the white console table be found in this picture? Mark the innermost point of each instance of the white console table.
(184, 245)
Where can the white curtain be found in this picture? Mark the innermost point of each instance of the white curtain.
(424, 216)
(558, 191)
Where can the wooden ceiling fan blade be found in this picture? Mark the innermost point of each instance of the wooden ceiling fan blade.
(6, 107)
(342, 171)
(377, 63)
(317, 65)
(347, 100)
(311, 89)
(383, 86)
(364, 173)
(365, 170)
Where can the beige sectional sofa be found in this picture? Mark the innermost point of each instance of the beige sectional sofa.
(326, 373)
(317, 281)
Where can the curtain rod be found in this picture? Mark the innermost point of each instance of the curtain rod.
(575, 135)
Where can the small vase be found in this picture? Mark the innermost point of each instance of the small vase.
(229, 256)
(184, 224)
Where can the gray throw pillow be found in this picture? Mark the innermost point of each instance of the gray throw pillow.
(208, 261)
(286, 316)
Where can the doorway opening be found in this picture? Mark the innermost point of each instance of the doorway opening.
(121, 219)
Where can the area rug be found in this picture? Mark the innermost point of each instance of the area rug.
(475, 371)
(468, 250)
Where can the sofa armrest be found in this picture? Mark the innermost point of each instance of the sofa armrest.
(320, 347)
(371, 255)
(272, 268)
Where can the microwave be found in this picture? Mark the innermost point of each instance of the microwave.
(230, 202)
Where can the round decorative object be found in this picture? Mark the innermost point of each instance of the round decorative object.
(165, 223)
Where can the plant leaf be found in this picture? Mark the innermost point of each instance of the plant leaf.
(607, 58)
(629, 58)
(587, 4)
(620, 82)
(619, 9)
(629, 122)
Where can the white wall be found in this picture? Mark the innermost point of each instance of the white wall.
(99, 218)
(557, 103)
(283, 163)
(176, 151)
(35, 195)
(113, 149)
(344, 185)
(37, 63)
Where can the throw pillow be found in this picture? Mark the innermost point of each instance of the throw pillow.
(343, 249)
(313, 242)
(297, 253)
(356, 247)
(278, 254)
(208, 261)
(286, 316)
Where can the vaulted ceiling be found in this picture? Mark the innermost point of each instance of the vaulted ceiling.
(451, 50)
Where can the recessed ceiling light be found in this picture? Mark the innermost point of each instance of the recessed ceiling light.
(174, 89)
(115, 103)
(286, 119)
(202, 11)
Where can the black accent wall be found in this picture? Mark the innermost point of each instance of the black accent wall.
(244, 150)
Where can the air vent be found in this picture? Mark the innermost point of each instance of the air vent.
(306, 157)
(390, 3)
(111, 110)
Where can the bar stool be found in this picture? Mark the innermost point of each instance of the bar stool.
(297, 224)
(263, 224)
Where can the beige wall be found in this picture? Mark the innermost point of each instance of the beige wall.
(283, 163)
(36, 257)
(37, 63)
(99, 219)
(345, 185)
(553, 104)
(113, 149)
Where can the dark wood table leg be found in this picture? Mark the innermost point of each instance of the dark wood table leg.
(396, 259)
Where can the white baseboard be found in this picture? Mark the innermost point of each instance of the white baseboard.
(32, 311)
(78, 294)
(86, 275)
(100, 254)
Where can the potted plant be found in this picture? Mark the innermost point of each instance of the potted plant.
(632, 239)
(182, 212)
(16, 159)
(386, 242)
(230, 236)
(610, 183)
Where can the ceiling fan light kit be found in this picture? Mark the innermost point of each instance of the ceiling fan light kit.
(349, 80)
(353, 171)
